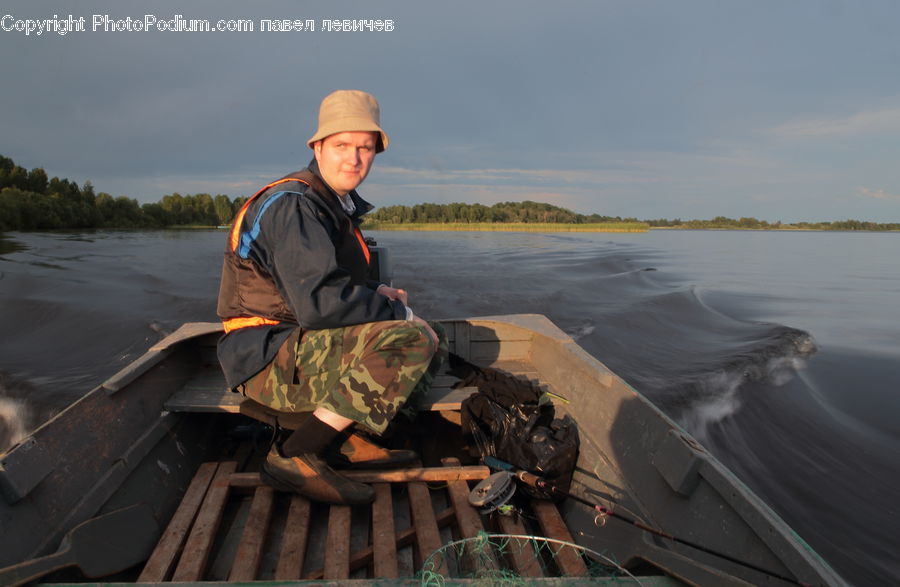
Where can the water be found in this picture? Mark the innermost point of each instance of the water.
(780, 351)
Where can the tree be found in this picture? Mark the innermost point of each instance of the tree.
(16, 177)
(204, 210)
(37, 181)
(155, 215)
(10, 210)
(173, 204)
(223, 210)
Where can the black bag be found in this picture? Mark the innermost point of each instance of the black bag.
(513, 420)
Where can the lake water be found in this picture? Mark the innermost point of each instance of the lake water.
(780, 351)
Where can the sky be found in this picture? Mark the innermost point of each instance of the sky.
(685, 109)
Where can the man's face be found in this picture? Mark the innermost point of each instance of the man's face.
(345, 159)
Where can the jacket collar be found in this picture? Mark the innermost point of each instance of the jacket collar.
(362, 206)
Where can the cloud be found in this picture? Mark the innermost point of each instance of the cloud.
(601, 170)
(876, 194)
(870, 122)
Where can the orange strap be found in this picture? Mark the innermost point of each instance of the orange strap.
(363, 245)
(245, 322)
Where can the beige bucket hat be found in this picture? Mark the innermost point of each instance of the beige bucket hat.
(349, 110)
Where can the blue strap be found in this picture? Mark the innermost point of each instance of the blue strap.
(247, 238)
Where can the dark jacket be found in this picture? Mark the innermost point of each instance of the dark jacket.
(298, 261)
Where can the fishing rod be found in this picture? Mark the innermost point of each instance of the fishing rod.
(537, 482)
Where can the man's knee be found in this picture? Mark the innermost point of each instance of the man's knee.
(425, 338)
(411, 339)
(397, 334)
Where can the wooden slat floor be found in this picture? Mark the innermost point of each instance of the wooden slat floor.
(231, 527)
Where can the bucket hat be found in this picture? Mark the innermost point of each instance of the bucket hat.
(348, 111)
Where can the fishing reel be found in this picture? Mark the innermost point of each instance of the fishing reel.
(494, 493)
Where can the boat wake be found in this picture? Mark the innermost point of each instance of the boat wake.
(687, 357)
(717, 396)
(15, 418)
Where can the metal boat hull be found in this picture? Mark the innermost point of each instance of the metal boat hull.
(134, 439)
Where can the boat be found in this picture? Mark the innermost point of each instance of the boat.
(152, 477)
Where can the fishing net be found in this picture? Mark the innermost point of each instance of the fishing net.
(510, 559)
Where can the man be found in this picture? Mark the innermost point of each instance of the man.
(305, 330)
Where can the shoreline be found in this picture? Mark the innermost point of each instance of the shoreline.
(507, 227)
(480, 227)
(562, 227)
(772, 229)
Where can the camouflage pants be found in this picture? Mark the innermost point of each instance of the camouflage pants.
(365, 372)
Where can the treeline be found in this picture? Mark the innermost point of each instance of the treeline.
(505, 212)
(723, 222)
(535, 212)
(29, 200)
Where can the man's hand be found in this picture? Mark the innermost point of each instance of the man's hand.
(393, 293)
